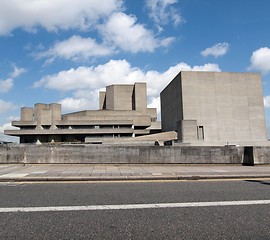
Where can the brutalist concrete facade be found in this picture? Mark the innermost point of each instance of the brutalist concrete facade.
(123, 113)
(215, 108)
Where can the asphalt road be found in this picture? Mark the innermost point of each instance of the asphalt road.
(37, 221)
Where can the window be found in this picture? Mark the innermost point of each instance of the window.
(200, 133)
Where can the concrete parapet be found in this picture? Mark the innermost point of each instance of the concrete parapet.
(54, 153)
(261, 155)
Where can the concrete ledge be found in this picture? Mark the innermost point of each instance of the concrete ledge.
(99, 154)
(135, 178)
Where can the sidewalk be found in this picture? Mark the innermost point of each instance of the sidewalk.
(109, 172)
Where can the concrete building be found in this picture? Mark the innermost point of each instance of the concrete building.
(215, 108)
(123, 113)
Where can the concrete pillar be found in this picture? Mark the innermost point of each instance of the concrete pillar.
(27, 114)
(102, 100)
(110, 97)
(140, 97)
(55, 114)
(38, 114)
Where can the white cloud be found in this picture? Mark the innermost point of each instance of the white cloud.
(260, 60)
(167, 41)
(3, 137)
(217, 50)
(82, 100)
(74, 104)
(17, 71)
(54, 15)
(6, 106)
(122, 31)
(266, 101)
(162, 12)
(210, 67)
(6, 85)
(76, 48)
(154, 102)
(7, 138)
(85, 82)
(13, 118)
(7, 126)
(115, 71)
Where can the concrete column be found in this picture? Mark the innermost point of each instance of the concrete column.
(110, 97)
(140, 97)
(102, 100)
(55, 114)
(38, 114)
(27, 114)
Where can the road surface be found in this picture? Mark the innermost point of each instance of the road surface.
(136, 210)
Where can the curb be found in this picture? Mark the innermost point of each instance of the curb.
(133, 178)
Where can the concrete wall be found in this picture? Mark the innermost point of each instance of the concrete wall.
(110, 116)
(128, 154)
(140, 97)
(261, 155)
(119, 97)
(45, 114)
(125, 97)
(109, 97)
(171, 105)
(27, 114)
(228, 106)
(187, 130)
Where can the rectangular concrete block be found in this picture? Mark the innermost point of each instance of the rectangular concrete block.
(27, 114)
(139, 97)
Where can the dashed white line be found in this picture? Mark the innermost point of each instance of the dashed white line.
(133, 206)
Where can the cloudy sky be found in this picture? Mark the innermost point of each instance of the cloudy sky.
(65, 51)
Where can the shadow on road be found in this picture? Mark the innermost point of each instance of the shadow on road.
(258, 181)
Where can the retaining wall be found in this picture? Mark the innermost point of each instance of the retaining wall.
(129, 154)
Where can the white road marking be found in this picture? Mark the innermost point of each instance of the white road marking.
(38, 172)
(157, 174)
(14, 175)
(133, 206)
(10, 184)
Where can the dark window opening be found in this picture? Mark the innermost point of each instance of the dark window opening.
(200, 133)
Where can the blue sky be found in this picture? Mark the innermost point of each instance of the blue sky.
(66, 51)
